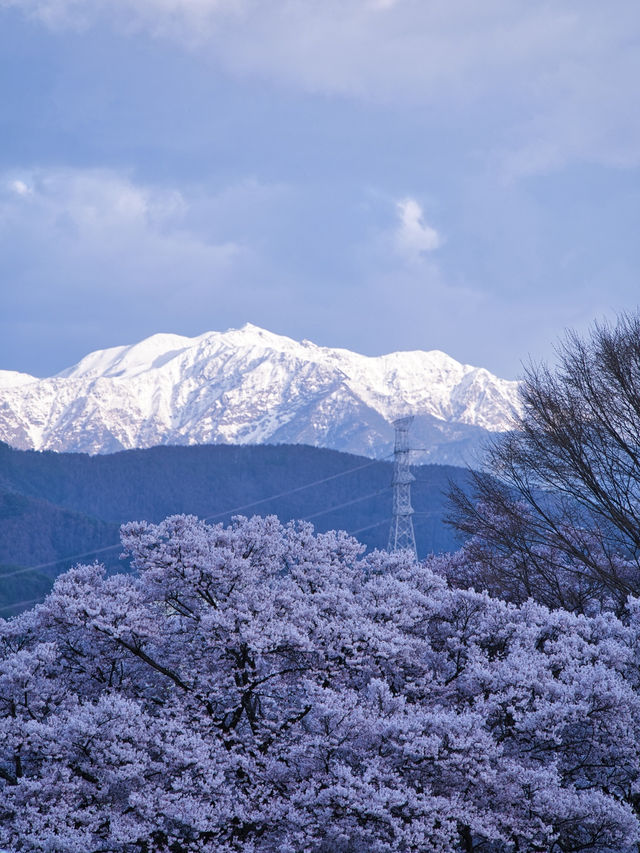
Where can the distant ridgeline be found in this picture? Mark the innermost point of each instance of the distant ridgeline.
(55, 507)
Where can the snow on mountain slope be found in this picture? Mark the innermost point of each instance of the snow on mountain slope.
(12, 379)
(251, 386)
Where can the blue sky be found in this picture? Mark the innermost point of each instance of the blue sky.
(374, 174)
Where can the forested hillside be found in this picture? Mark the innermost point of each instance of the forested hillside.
(54, 506)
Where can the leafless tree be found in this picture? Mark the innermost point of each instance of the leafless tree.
(558, 515)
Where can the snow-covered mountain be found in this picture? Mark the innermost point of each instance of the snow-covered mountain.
(251, 386)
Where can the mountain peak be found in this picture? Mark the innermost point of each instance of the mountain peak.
(250, 385)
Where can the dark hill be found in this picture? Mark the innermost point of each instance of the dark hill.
(57, 505)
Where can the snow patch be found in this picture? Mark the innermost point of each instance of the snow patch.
(246, 385)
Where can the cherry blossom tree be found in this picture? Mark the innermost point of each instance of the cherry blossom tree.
(263, 688)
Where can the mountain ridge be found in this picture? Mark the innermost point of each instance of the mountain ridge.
(251, 386)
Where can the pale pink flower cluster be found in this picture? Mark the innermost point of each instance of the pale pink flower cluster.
(264, 688)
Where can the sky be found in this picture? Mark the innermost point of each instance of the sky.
(372, 174)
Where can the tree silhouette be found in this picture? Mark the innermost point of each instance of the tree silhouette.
(558, 515)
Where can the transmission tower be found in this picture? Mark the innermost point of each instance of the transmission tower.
(401, 535)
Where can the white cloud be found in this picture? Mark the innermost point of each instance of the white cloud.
(19, 187)
(100, 206)
(384, 4)
(558, 80)
(413, 236)
(88, 230)
(97, 252)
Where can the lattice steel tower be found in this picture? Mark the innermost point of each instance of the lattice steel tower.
(401, 535)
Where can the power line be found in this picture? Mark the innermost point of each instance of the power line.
(236, 509)
(297, 489)
(20, 604)
(368, 527)
(60, 560)
(346, 503)
(350, 533)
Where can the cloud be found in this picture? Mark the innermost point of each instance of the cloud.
(105, 216)
(555, 81)
(92, 251)
(19, 187)
(413, 236)
(95, 258)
